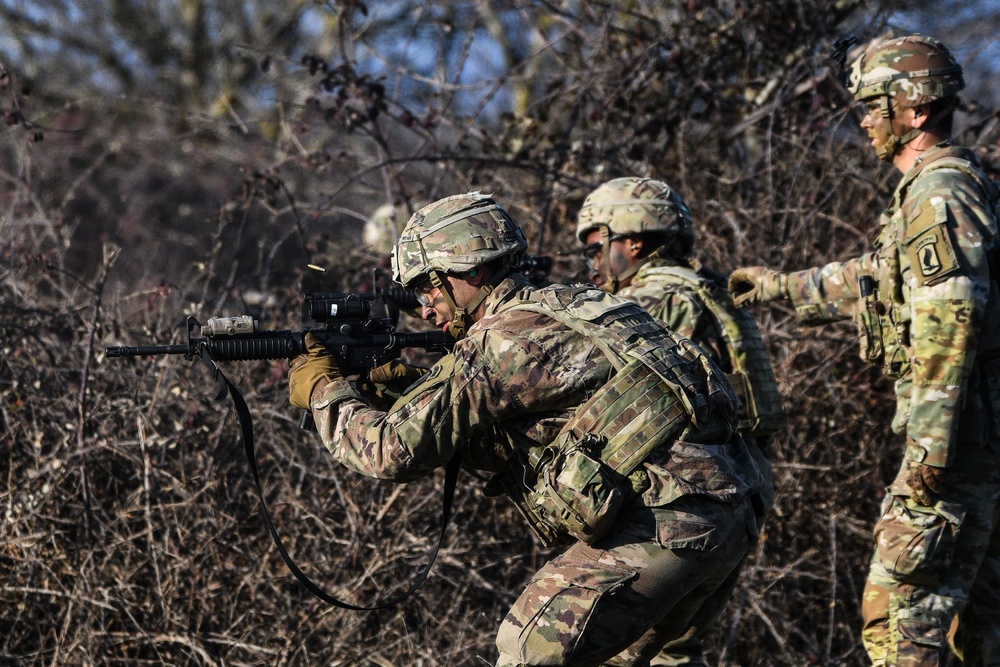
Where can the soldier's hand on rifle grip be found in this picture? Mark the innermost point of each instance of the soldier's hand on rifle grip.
(390, 380)
(308, 371)
(753, 284)
(397, 373)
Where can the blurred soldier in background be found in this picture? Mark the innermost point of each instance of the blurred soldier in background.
(611, 436)
(639, 240)
(381, 230)
(928, 312)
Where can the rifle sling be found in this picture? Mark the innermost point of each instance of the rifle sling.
(450, 482)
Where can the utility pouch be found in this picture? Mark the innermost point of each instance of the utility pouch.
(869, 322)
(585, 476)
(530, 507)
(577, 491)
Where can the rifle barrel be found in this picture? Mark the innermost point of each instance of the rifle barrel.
(285, 344)
(144, 350)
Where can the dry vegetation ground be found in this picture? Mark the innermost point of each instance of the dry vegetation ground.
(131, 533)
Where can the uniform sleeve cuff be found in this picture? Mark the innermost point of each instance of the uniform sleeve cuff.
(335, 391)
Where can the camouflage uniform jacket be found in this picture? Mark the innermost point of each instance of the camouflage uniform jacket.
(660, 288)
(923, 315)
(693, 302)
(506, 389)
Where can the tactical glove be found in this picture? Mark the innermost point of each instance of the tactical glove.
(309, 370)
(753, 284)
(396, 373)
(389, 381)
(927, 483)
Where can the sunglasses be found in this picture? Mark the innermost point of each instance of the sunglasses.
(422, 293)
(590, 252)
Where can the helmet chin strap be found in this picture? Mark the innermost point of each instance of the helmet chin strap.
(457, 327)
(613, 281)
(888, 147)
(889, 142)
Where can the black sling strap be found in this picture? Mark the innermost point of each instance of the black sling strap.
(450, 481)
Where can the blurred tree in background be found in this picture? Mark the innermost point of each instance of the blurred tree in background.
(191, 157)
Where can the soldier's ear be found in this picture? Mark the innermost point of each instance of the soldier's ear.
(635, 245)
(477, 276)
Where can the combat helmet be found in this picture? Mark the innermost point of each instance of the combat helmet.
(455, 235)
(627, 206)
(909, 71)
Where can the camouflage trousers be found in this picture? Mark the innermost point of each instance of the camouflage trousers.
(934, 583)
(688, 649)
(617, 602)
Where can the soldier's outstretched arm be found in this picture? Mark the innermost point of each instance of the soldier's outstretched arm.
(828, 293)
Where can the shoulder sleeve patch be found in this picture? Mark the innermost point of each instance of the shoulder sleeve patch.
(929, 244)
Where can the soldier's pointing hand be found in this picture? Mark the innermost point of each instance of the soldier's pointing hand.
(753, 284)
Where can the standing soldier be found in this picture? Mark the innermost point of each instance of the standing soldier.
(610, 434)
(928, 311)
(639, 240)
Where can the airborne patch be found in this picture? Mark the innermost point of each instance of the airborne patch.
(930, 261)
(932, 257)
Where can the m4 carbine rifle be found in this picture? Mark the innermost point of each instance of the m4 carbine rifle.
(359, 329)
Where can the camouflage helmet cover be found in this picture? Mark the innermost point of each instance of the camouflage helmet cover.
(637, 206)
(454, 235)
(912, 70)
